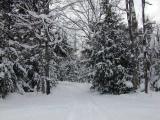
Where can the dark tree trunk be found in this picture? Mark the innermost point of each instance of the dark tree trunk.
(47, 57)
(47, 68)
(145, 48)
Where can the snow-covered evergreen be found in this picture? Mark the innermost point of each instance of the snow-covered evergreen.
(110, 56)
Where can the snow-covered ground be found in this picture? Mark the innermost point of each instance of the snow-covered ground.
(74, 101)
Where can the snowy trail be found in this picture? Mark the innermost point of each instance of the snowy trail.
(74, 101)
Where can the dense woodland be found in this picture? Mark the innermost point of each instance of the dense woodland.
(46, 41)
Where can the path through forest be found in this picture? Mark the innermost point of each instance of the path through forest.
(74, 101)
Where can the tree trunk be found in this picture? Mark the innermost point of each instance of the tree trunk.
(47, 68)
(145, 47)
(47, 57)
(132, 26)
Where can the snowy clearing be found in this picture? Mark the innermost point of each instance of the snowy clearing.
(74, 101)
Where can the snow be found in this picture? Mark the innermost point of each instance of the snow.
(157, 84)
(129, 84)
(74, 101)
(2, 75)
(1, 52)
(11, 42)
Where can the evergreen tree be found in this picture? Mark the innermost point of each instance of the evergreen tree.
(110, 55)
(8, 55)
(30, 41)
(154, 59)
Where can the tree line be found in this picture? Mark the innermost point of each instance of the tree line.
(38, 47)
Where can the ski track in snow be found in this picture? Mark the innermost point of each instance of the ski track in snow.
(74, 101)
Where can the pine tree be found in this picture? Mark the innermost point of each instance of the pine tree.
(109, 57)
(8, 55)
(25, 28)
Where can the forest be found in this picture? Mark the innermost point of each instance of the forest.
(101, 44)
